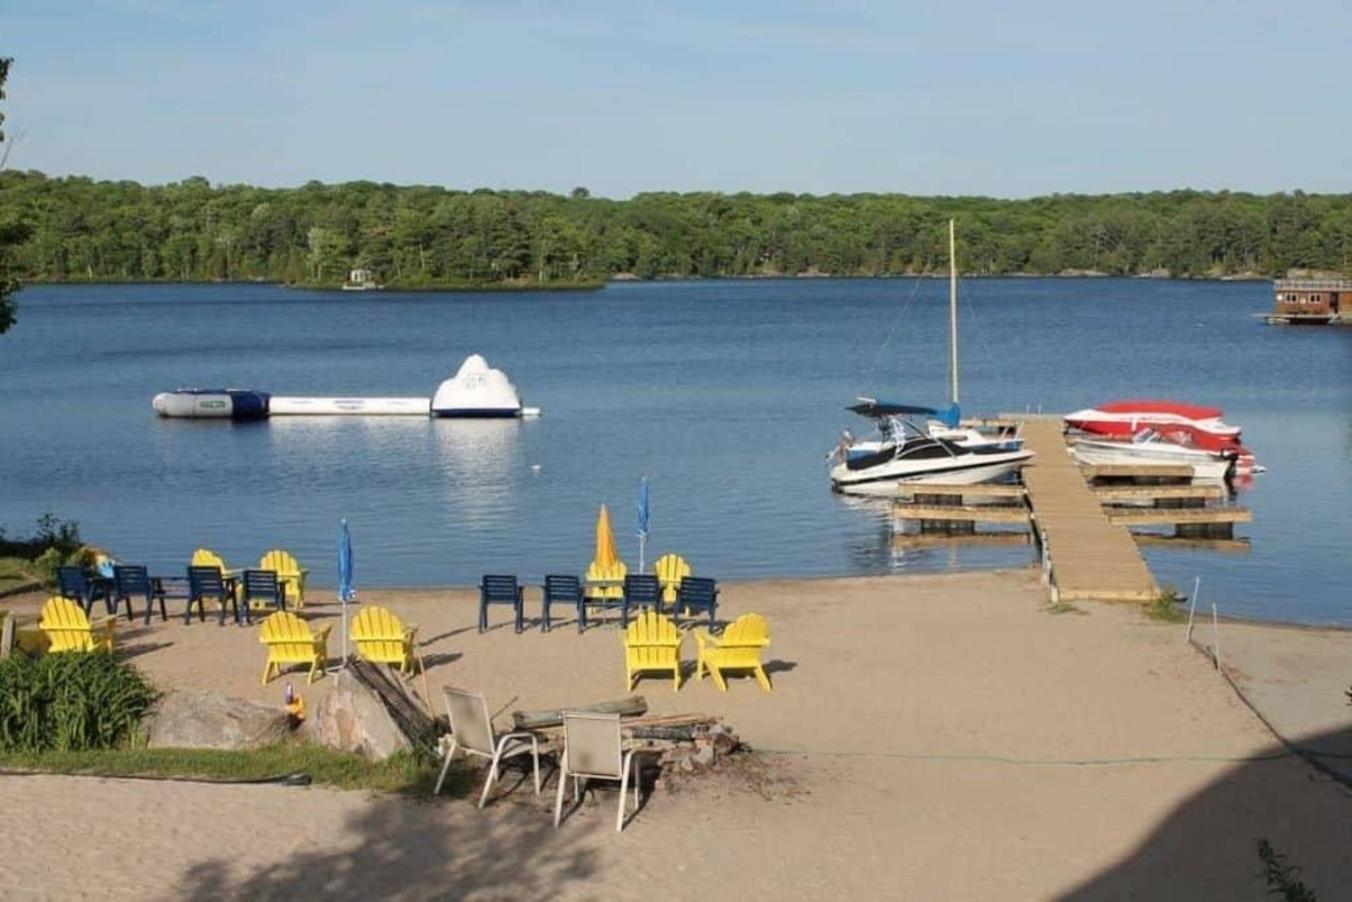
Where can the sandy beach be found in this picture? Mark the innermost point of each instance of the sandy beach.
(927, 737)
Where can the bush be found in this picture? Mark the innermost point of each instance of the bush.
(51, 533)
(47, 564)
(70, 702)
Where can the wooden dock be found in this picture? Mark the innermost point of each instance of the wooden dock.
(1089, 556)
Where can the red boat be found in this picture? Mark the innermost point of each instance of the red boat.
(1125, 418)
(1191, 425)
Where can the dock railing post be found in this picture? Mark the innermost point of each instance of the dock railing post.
(1192, 608)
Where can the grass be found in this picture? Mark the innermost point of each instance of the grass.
(401, 774)
(1064, 607)
(1165, 607)
(16, 572)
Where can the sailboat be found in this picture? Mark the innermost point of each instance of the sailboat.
(941, 450)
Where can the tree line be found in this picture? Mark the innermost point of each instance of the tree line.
(75, 228)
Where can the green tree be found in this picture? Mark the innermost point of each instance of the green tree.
(328, 251)
(13, 231)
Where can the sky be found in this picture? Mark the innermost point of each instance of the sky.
(932, 98)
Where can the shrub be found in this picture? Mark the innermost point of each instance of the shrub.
(69, 702)
(47, 564)
(63, 535)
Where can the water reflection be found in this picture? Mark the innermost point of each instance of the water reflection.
(479, 463)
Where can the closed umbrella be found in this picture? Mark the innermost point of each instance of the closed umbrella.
(606, 555)
(642, 521)
(347, 587)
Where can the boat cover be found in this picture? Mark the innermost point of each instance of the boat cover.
(873, 407)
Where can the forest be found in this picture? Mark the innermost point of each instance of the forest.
(78, 229)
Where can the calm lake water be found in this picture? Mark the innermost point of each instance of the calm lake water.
(727, 395)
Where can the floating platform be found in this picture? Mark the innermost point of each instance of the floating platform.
(476, 390)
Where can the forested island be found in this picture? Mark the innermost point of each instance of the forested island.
(78, 229)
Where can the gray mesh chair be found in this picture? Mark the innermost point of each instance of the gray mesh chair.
(592, 751)
(472, 732)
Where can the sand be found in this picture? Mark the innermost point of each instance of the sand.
(928, 737)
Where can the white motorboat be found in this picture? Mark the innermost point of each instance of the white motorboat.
(1149, 447)
(910, 454)
(943, 451)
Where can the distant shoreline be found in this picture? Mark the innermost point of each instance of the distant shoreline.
(622, 279)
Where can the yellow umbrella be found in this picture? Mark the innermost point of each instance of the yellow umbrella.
(605, 540)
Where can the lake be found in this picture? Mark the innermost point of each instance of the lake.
(726, 394)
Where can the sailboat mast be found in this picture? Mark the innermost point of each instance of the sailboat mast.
(953, 310)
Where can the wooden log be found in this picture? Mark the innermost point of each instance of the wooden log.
(535, 720)
(673, 720)
(405, 708)
(672, 734)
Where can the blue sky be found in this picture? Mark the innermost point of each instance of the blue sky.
(989, 98)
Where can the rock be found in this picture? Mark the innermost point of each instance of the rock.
(353, 718)
(703, 757)
(193, 719)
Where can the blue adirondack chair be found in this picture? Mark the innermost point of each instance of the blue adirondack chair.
(500, 589)
(560, 589)
(265, 586)
(208, 583)
(696, 593)
(76, 585)
(130, 580)
(641, 590)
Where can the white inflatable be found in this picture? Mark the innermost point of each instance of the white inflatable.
(371, 407)
(477, 390)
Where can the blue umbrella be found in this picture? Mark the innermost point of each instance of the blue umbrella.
(643, 512)
(347, 590)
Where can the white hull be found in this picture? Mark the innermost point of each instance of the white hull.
(1204, 464)
(883, 479)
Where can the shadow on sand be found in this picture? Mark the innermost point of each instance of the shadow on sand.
(1207, 847)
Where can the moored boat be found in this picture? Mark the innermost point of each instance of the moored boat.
(1149, 447)
(910, 454)
(1126, 418)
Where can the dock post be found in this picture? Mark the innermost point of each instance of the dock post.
(1192, 608)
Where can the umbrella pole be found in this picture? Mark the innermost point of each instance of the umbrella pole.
(642, 543)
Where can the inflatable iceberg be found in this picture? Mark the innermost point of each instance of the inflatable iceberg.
(476, 390)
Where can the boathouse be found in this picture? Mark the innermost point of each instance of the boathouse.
(1313, 301)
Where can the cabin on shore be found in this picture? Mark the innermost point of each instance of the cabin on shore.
(1311, 301)
(361, 280)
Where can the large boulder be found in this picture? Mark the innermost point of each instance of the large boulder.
(195, 719)
(354, 718)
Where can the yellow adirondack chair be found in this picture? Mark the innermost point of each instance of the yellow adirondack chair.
(652, 642)
(382, 639)
(205, 557)
(288, 571)
(606, 581)
(67, 628)
(290, 641)
(670, 570)
(737, 649)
